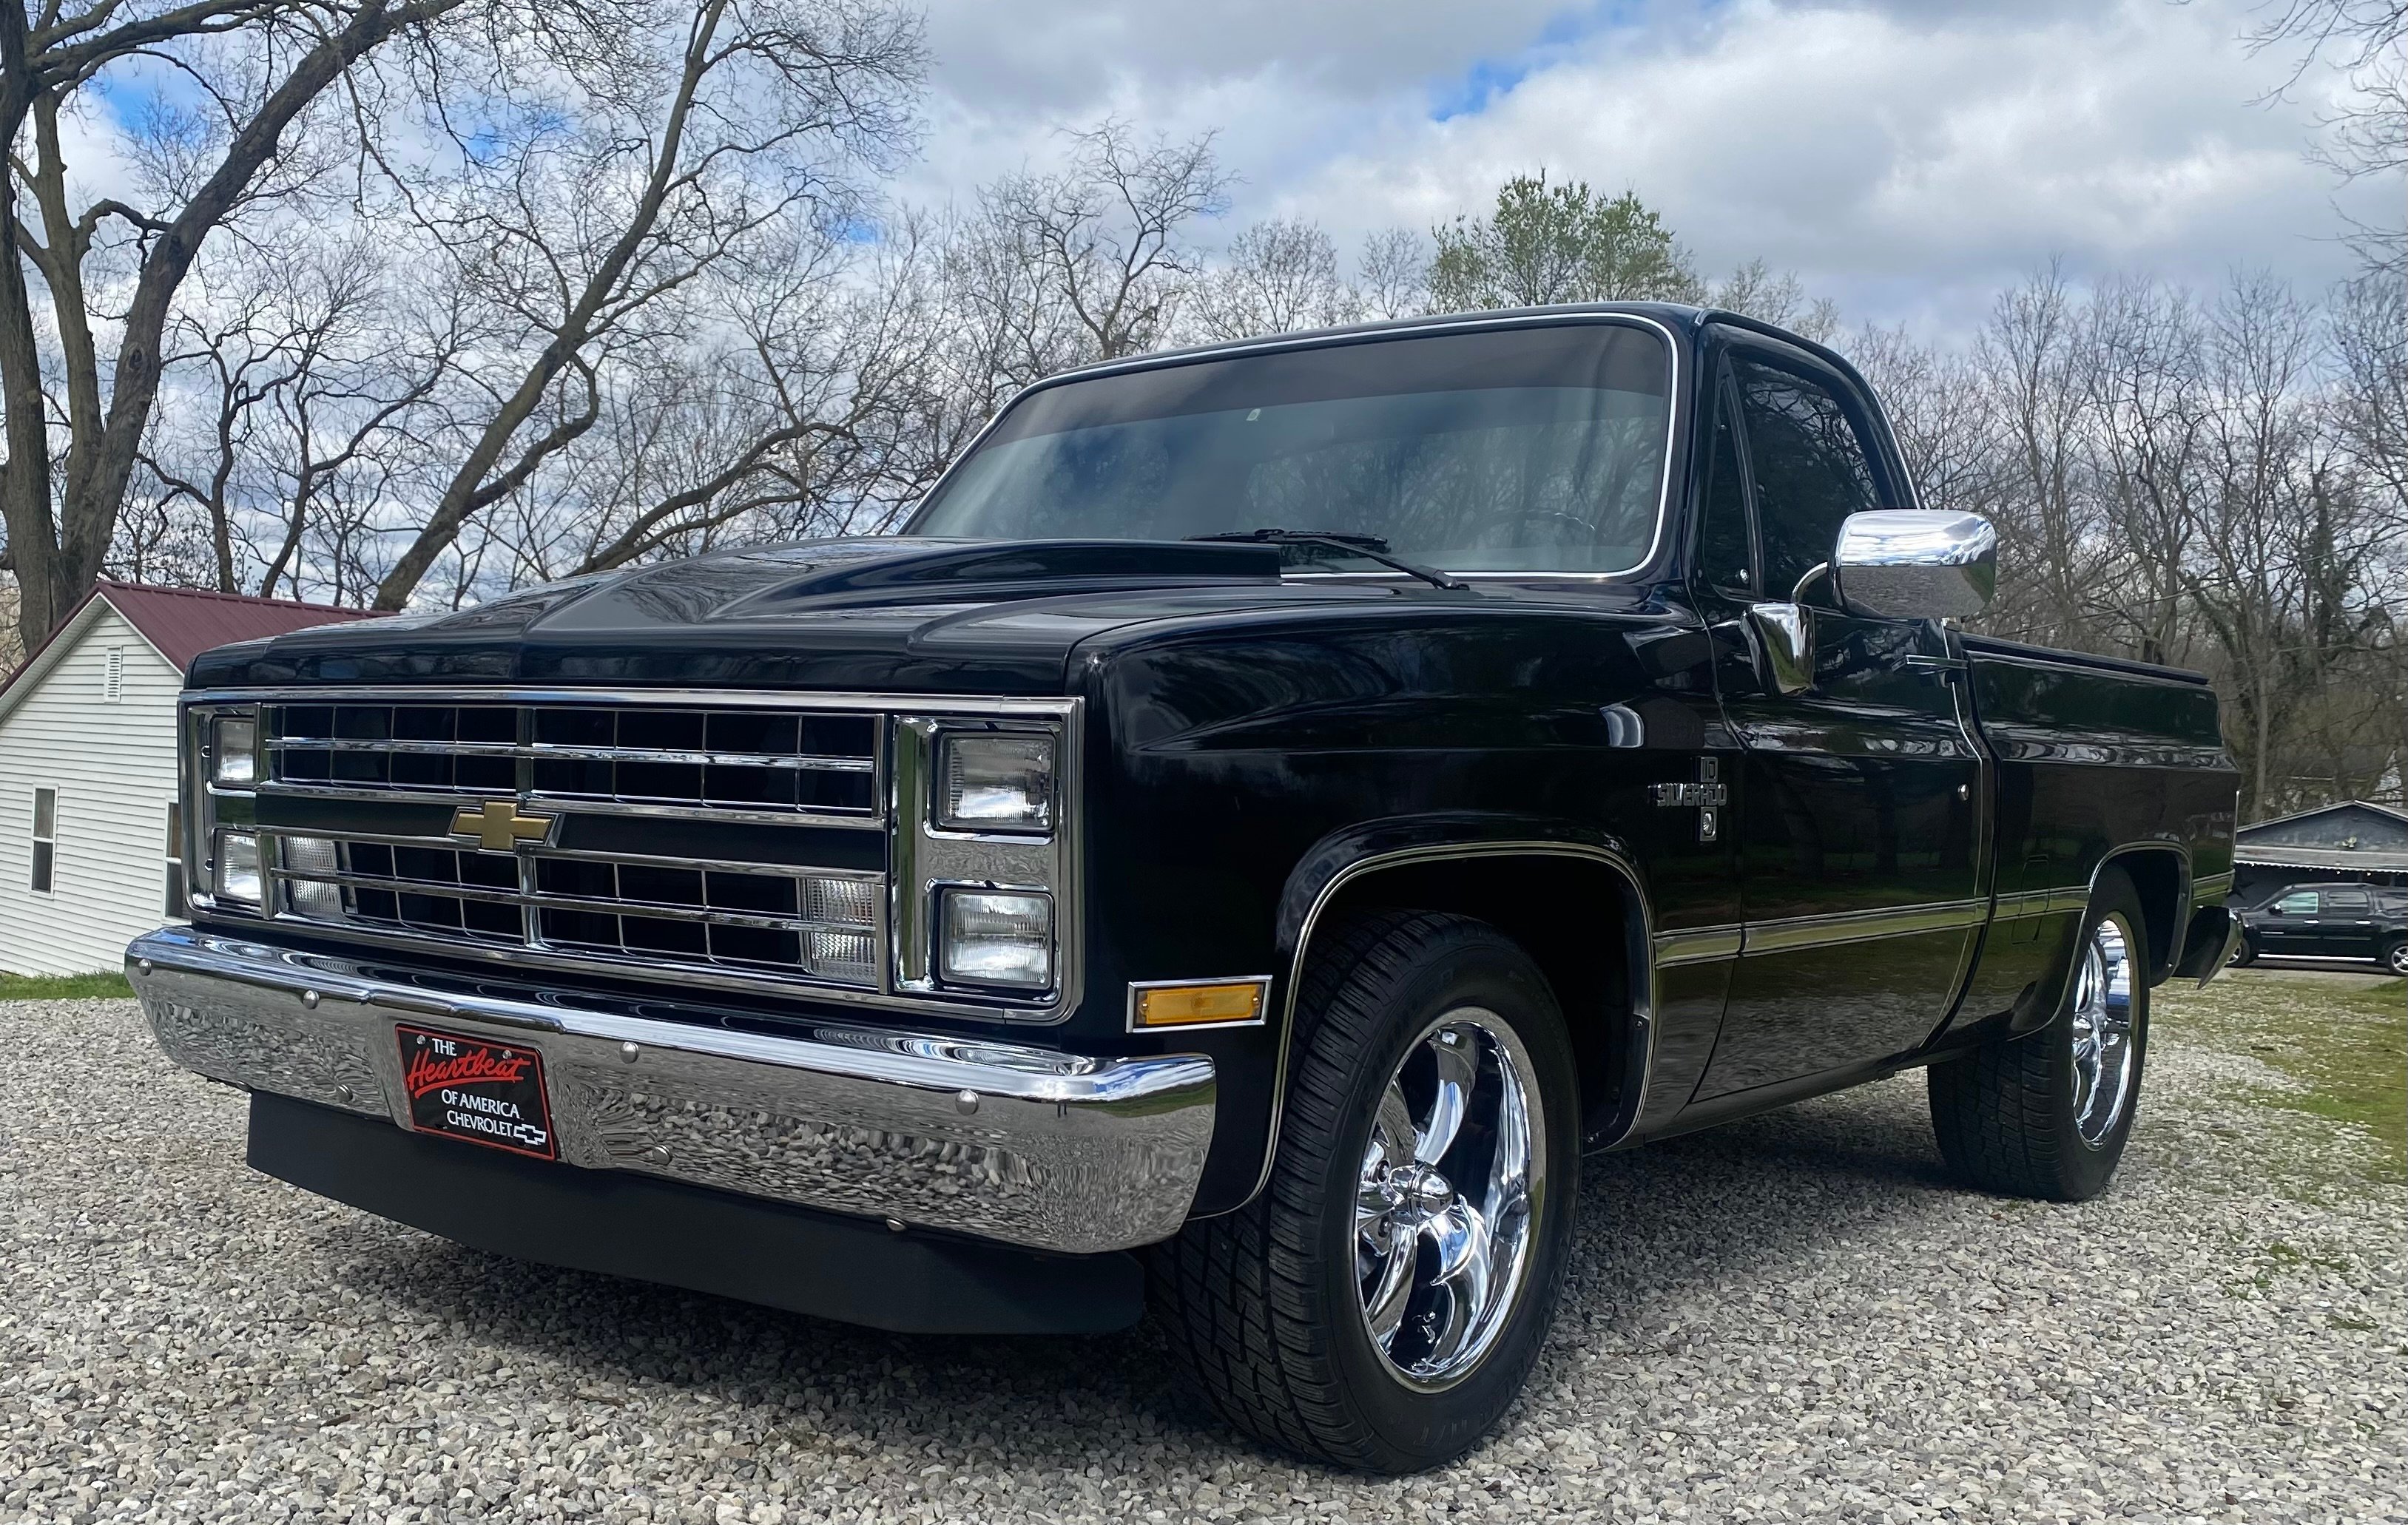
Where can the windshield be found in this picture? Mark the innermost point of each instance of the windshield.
(1529, 448)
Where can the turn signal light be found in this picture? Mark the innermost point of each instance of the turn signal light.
(1226, 1003)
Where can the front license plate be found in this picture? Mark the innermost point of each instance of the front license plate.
(474, 1088)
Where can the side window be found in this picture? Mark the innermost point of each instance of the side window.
(1724, 558)
(2298, 903)
(2347, 903)
(1812, 469)
(46, 838)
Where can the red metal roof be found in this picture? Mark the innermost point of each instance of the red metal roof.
(183, 622)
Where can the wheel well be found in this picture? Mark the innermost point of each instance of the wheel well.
(2160, 879)
(1574, 915)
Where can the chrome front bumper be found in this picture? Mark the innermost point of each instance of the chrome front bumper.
(1019, 1145)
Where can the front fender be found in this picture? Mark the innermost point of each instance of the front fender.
(1353, 850)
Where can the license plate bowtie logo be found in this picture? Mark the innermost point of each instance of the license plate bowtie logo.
(498, 827)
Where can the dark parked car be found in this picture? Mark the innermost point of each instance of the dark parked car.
(1275, 807)
(2329, 921)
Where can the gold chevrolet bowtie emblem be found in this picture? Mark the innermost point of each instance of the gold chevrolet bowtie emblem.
(498, 827)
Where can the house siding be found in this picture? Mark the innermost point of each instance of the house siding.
(114, 768)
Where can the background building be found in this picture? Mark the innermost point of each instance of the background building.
(2353, 842)
(88, 811)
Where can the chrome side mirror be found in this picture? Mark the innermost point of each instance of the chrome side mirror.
(1915, 564)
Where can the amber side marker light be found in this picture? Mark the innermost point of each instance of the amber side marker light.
(1225, 1003)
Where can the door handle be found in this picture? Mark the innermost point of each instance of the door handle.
(1784, 633)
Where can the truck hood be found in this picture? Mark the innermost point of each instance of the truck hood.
(868, 615)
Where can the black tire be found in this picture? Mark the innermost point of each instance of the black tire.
(2246, 953)
(1264, 1304)
(2006, 1113)
(2395, 956)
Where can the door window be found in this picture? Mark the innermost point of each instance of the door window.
(1725, 556)
(2298, 903)
(1812, 469)
(2349, 902)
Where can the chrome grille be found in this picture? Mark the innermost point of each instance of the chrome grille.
(769, 763)
(731, 840)
(821, 922)
(367, 794)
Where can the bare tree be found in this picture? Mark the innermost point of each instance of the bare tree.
(1277, 278)
(2147, 423)
(303, 375)
(2367, 41)
(1109, 234)
(1392, 278)
(1754, 290)
(812, 416)
(2034, 364)
(1941, 416)
(583, 238)
(263, 69)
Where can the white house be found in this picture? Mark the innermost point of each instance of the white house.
(88, 811)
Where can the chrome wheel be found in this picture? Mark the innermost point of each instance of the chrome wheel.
(1446, 1206)
(2103, 1032)
(2398, 958)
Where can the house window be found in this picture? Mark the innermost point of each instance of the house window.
(176, 909)
(112, 676)
(46, 838)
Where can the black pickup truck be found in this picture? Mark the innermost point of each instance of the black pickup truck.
(1271, 811)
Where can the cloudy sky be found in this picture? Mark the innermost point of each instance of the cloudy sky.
(1905, 157)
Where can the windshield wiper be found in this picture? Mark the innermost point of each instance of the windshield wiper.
(1369, 546)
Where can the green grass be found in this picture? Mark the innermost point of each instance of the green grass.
(2345, 1041)
(107, 986)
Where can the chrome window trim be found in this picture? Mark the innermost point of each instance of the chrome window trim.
(937, 854)
(1672, 398)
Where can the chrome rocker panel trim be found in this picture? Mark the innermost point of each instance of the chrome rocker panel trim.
(999, 1141)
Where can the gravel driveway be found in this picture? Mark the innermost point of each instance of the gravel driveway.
(1793, 1317)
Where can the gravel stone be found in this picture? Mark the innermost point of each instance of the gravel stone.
(1793, 1317)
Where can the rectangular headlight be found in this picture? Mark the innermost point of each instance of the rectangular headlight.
(994, 938)
(238, 867)
(995, 782)
(233, 750)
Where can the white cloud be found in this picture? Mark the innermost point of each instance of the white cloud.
(1906, 158)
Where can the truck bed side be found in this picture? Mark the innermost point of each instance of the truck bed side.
(2093, 758)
